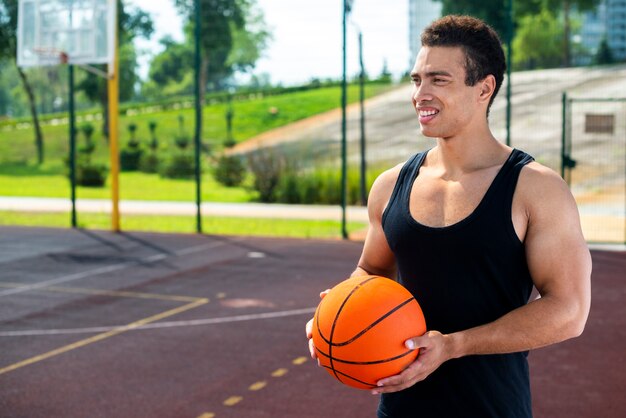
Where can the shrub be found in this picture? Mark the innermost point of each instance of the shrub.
(267, 167)
(131, 154)
(154, 142)
(230, 171)
(87, 172)
(90, 174)
(89, 146)
(179, 165)
(182, 139)
(149, 162)
(288, 188)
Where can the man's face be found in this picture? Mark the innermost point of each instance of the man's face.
(445, 106)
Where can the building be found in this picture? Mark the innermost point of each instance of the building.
(421, 14)
(607, 21)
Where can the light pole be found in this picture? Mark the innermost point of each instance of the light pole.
(347, 6)
(509, 44)
(198, 111)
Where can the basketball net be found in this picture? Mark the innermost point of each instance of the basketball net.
(54, 56)
(51, 55)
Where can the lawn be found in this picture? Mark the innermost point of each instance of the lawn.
(20, 176)
(186, 224)
(133, 186)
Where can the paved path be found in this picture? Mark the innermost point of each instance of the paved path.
(242, 210)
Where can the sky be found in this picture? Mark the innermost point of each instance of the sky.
(307, 38)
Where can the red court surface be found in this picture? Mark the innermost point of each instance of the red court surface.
(96, 324)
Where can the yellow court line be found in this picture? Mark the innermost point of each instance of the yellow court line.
(257, 385)
(233, 400)
(300, 360)
(279, 372)
(103, 336)
(118, 293)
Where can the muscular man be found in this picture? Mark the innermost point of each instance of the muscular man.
(469, 227)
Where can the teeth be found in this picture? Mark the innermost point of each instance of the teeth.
(427, 112)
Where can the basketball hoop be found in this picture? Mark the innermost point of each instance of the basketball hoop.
(50, 55)
(75, 32)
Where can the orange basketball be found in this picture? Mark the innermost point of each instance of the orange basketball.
(360, 327)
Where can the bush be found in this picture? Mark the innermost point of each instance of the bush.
(179, 165)
(149, 163)
(129, 159)
(89, 146)
(131, 154)
(288, 188)
(87, 173)
(318, 186)
(267, 167)
(230, 171)
(91, 174)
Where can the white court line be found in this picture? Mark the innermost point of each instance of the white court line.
(169, 324)
(107, 269)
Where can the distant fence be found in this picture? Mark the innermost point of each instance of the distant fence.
(594, 164)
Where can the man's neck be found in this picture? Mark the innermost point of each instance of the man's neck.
(465, 154)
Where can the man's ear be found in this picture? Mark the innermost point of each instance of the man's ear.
(487, 87)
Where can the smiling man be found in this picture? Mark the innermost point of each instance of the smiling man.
(469, 227)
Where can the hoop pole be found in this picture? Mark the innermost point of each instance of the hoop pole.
(113, 90)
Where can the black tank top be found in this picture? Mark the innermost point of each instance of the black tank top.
(463, 275)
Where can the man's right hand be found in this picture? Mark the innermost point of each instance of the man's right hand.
(309, 329)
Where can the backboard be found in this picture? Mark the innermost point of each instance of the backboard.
(54, 31)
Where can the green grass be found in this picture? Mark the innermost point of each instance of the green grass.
(186, 224)
(133, 186)
(251, 117)
(20, 176)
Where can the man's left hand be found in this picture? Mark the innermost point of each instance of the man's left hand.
(434, 350)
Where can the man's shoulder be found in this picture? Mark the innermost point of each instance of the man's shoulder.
(541, 188)
(537, 177)
(381, 190)
(387, 179)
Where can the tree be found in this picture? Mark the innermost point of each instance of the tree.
(130, 24)
(494, 13)
(8, 49)
(532, 7)
(172, 63)
(491, 11)
(604, 54)
(233, 37)
(534, 48)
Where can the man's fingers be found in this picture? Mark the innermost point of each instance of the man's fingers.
(312, 349)
(309, 328)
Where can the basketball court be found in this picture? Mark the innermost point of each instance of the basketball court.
(164, 325)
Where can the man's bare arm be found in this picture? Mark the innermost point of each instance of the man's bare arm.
(376, 257)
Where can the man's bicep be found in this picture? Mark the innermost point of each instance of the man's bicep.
(377, 258)
(557, 254)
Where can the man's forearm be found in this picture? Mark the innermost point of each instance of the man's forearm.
(547, 320)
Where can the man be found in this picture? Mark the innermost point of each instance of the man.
(469, 227)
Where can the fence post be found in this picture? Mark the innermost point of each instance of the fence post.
(72, 143)
(563, 133)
